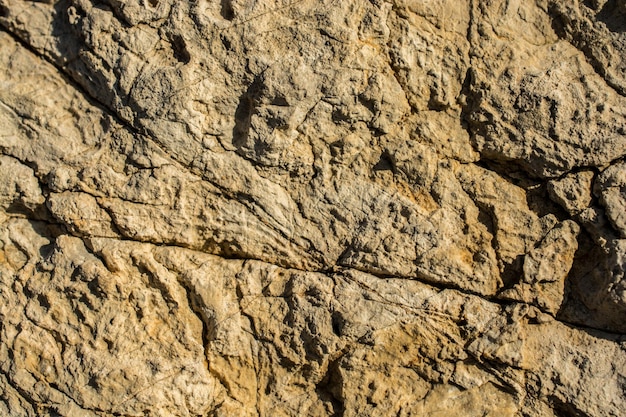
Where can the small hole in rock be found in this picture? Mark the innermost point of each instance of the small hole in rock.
(227, 10)
(180, 49)
(385, 163)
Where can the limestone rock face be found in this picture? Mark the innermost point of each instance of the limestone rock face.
(294, 208)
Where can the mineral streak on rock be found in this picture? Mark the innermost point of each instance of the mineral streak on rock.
(312, 208)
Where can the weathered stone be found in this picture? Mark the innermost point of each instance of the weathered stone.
(573, 191)
(364, 208)
(611, 187)
(546, 267)
(519, 106)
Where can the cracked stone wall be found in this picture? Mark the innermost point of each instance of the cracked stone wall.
(312, 208)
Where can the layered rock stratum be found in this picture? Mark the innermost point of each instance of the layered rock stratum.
(312, 208)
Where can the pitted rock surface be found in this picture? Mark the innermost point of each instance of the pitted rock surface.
(297, 207)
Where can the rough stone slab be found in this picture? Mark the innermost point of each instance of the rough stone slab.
(292, 208)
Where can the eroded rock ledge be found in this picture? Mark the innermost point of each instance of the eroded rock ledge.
(312, 208)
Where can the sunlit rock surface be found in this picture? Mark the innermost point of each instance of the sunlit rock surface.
(312, 208)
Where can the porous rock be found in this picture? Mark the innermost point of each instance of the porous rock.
(290, 208)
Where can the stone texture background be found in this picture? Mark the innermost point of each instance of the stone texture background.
(312, 208)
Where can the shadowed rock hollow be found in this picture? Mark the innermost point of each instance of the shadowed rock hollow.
(312, 208)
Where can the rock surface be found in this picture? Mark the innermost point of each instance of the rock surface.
(291, 208)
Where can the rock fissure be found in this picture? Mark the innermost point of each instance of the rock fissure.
(311, 208)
